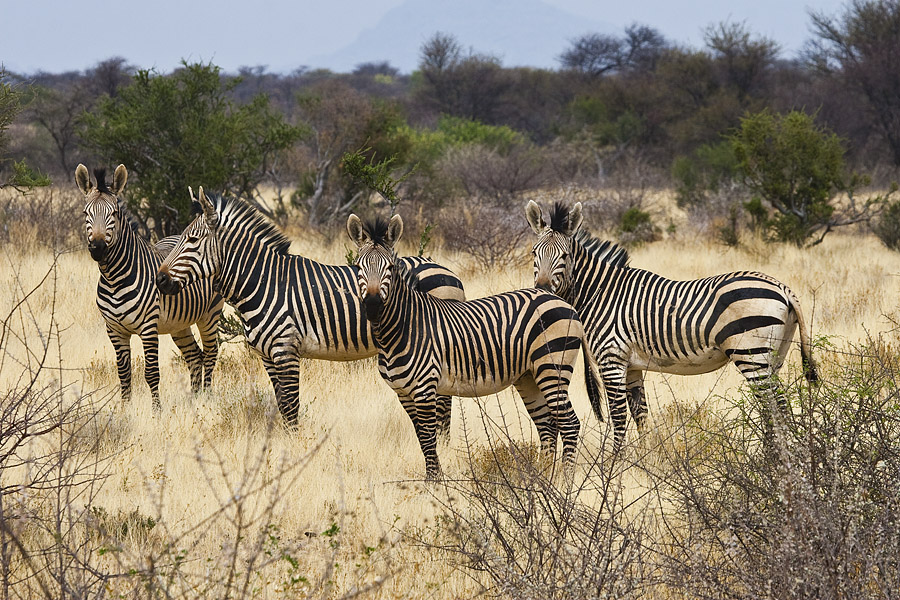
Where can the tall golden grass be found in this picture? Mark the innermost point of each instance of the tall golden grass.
(343, 491)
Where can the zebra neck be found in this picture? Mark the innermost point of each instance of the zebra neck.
(590, 275)
(243, 269)
(125, 256)
(393, 328)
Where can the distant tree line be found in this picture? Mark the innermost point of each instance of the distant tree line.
(464, 126)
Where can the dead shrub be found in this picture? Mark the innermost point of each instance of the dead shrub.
(491, 234)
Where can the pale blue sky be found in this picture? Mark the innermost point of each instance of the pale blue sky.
(60, 35)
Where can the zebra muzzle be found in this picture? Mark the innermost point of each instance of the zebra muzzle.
(165, 284)
(97, 248)
(373, 305)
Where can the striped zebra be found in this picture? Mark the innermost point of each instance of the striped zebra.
(127, 297)
(637, 321)
(428, 347)
(291, 307)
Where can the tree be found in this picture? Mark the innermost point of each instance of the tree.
(470, 86)
(183, 129)
(742, 61)
(18, 175)
(798, 168)
(594, 54)
(597, 54)
(57, 110)
(861, 48)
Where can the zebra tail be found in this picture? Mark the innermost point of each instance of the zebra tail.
(591, 382)
(810, 370)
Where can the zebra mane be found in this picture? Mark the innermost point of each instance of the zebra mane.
(559, 216)
(238, 213)
(100, 176)
(602, 250)
(376, 229)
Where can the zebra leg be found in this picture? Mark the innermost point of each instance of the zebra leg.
(444, 409)
(637, 403)
(540, 413)
(272, 372)
(554, 386)
(613, 373)
(421, 410)
(287, 366)
(209, 335)
(185, 341)
(150, 339)
(122, 344)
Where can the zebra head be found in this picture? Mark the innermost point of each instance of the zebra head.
(553, 249)
(195, 255)
(102, 219)
(375, 263)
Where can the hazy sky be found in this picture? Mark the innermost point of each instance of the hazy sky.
(61, 35)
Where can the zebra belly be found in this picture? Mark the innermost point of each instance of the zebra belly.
(691, 364)
(452, 385)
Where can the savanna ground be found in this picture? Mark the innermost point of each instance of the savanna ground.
(212, 497)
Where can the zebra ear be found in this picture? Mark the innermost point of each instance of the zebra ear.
(534, 217)
(209, 211)
(394, 231)
(119, 179)
(83, 179)
(355, 230)
(575, 219)
(196, 209)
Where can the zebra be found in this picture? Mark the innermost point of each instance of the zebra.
(638, 321)
(429, 347)
(127, 297)
(291, 307)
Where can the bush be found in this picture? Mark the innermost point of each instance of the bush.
(491, 234)
(810, 509)
(535, 532)
(486, 173)
(637, 227)
(797, 168)
(887, 227)
(703, 174)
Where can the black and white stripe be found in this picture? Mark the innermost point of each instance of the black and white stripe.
(637, 321)
(429, 347)
(292, 307)
(127, 296)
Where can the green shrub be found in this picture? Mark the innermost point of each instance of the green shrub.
(887, 227)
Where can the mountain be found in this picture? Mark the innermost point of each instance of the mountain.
(518, 32)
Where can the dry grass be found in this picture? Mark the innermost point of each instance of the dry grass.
(354, 462)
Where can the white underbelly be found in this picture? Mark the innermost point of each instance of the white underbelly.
(450, 385)
(692, 364)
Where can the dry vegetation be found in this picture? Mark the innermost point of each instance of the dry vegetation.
(211, 497)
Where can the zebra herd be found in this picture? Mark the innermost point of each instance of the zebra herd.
(431, 342)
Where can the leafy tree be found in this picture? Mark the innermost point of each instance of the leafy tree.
(18, 175)
(861, 49)
(172, 131)
(798, 169)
